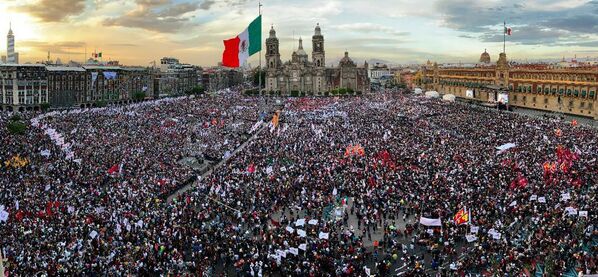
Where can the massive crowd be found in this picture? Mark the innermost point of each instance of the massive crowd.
(331, 186)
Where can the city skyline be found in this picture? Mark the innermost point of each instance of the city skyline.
(141, 31)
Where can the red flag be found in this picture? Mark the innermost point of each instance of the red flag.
(462, 216)
(519, 182)
(20, 214)
(113, 169)
(576, 183)
(546, 167)
(251, 168)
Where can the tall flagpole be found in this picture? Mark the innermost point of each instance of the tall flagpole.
(259, 71)
(504, 37)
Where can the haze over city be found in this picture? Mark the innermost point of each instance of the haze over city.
(136, 32)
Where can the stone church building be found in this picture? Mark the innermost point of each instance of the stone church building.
(312, 77)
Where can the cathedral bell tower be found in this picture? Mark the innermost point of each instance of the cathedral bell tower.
(272, 51)
(318, 56)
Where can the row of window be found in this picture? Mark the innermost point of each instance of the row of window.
(555, 77)
(575, 92)
(582, 105)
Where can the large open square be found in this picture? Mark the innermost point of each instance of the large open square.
(259, 138)
(322, 186)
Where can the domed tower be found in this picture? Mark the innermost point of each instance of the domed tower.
(300, 56)
(272, 50)
(485, 57)
(318, 56)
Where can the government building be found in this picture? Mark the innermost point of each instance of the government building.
(547, 87)
(311, 77)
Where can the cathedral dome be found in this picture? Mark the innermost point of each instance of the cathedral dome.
(272, 32)
(346, 60)
(318, 31)
(300, 51)
(485, 57)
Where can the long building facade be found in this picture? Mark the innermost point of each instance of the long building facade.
(542, 87)
(23, 85)
(33, 86)
(311, 77)
(30, 86)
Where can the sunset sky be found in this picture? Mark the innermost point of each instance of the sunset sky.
(136, 32)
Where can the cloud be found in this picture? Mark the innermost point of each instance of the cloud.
(537, 22)
(123, 44)
(53, 10)
(527, 35)
(207, 4)
(61, 47)
(155, 15)
(369, 28)
(585, 23)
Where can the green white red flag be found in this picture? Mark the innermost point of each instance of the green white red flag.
(238, 49)
(508, 31)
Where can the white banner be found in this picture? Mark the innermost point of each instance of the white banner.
(505, 147)
(3, 215)
(471, 238)
(430, 221)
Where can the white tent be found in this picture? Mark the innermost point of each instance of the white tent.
(449, 97)
(418, 91)
(432, 94)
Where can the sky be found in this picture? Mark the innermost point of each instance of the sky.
(137, 32)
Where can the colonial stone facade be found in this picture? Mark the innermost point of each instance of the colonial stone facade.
(543, 87)
(311, 77)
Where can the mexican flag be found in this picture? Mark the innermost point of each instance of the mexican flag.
(508, 31)
(238, 49)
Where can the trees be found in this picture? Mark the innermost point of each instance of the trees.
(198, 90)
(101, 103)
(256, 78)
(138, 96)
(16, 127)
(45, 106)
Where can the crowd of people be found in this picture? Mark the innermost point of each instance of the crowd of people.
(325, 187)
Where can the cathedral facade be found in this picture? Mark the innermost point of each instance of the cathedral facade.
(311, 77)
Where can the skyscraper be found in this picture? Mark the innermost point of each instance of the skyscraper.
(10, 46)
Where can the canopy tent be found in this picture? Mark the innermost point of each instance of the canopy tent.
(432, 94)
(449, 97)
(418, 91)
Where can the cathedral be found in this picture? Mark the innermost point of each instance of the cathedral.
(311, 77)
